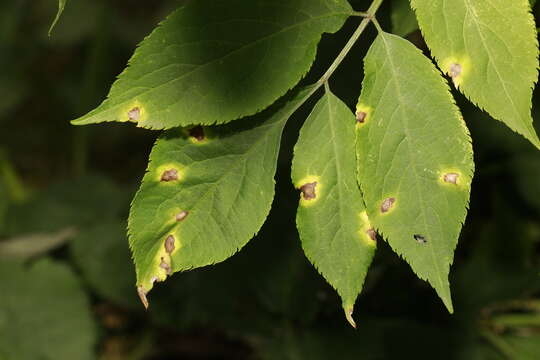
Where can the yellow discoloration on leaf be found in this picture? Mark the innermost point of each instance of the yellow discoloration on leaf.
(167, 167)
(173, 214)
(447, 178)
(158, 272)
(198, 142)
(388, 204)
(194, 134)
(365, 226)
(307, 180)
(362, 108)
(457, 67)
(133, 111)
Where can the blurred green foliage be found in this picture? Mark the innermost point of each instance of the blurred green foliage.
(75, 298)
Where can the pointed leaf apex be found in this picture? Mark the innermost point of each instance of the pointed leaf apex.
(446, 297)
(142, 295)
(348, 316)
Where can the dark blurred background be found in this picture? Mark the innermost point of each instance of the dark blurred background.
(66, 277)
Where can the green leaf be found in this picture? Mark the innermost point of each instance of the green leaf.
(403, 18)
(34, 244)
(44, 313)
(490, 49)
(69, 203)
(524, 347)
(332, 221)
(61, 6)
(206, 193)
(102, 253)
(214, 61)
(414, 158)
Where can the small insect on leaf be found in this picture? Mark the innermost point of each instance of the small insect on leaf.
(419, 238)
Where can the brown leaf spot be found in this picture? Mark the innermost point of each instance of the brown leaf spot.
(360, 117)
(169, 244)
(420, 238)
(134, 114)
(197, 133)
(169, 175)
(142, 296)
(372, 234)
(451, 178)
(181, 215)
(387, 204)
(455, 70)
(165, 266)
(308, 190)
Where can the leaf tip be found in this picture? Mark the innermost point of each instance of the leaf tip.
(142, 295)
(446, 296)
(348, 316)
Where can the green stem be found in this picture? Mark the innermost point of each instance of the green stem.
(377, 25)
(369, 15)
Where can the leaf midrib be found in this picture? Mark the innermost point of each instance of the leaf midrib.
(285, 116)
(204, 65)
(336, 157)
(404, 121)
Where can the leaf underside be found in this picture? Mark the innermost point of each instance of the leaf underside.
(414, 158)
(495, 45)
(214, 61)
(332, 222)
(208, 193)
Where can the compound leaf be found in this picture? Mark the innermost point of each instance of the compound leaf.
(206, 193)
(331, 219)
(214, 61)
(414, 158)
(490, 49)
